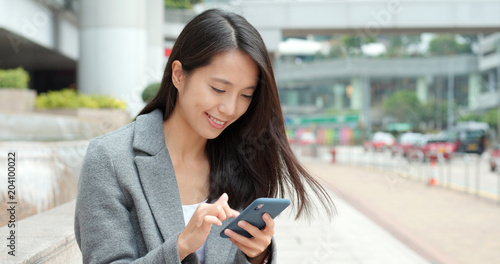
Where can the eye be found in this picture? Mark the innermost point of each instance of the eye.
(217, 90)
(247, 96)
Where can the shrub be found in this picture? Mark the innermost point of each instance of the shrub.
(150, 91)
(68, 98)
(14, 78)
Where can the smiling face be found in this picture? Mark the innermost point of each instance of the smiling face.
(214, 96)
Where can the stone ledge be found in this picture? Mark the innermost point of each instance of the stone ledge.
(17, 100)
(101, 120)
(44, 238)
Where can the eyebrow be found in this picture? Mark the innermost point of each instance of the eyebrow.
(229, 83)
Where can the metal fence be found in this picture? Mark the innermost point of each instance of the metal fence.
(469, 173)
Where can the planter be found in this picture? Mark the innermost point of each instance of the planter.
(17, 100)
(101, 121)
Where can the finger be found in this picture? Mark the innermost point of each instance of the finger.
(250, 252)
(252, 230)
(247, 242)
(221, 213)
(269, 224)
(210, 220)
(234, 213)
(223, 201)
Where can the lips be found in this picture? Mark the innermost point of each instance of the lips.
(214, 122)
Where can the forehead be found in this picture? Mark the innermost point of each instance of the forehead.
(236, 67)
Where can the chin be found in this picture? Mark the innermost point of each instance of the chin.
(210, 135)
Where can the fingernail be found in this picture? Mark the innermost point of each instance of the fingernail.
(241, 223)
(228, 232)
(266, 217)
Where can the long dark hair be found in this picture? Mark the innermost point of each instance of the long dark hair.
(251, 158)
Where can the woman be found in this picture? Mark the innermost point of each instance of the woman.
(211, 141)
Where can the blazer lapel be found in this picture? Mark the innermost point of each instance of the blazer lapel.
(157, 174)
(160, 187)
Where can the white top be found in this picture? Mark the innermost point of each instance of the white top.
(188, 211)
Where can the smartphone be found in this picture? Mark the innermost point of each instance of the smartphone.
(253, 214)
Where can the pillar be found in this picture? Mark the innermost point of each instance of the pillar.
(366, 106)
(491, 82)
(292, 97)
(474, 90)
(338, 96)
(356, 87)
(114, 47)
(422, 90)
(156, 59)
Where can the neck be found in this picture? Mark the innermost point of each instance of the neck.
(183, 143)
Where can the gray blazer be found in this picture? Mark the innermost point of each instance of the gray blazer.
(128, 207)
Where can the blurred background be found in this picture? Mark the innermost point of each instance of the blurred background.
(409, 88)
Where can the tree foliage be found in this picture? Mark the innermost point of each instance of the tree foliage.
(447, 44)
(405, 106)
(491, 117)
(181, 4)
(353, 43)
(399, 44)
(437, 112)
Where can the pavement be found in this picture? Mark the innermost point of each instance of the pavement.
(386, 218)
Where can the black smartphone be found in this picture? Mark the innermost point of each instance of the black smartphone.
(253, 214)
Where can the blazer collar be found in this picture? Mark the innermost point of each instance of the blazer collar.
(148, 132)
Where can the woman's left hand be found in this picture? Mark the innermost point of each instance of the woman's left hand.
(256, 247)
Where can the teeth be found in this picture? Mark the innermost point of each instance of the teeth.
(216, 121)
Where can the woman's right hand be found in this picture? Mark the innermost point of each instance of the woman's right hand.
(198, 228)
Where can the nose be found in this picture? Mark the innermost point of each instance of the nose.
(228, 106)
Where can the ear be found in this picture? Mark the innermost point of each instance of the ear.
(178, 76)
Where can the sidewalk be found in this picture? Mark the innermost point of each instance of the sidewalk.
(441, 225)
(350, 238)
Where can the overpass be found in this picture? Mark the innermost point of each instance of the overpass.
(46, 35)
(276, 19)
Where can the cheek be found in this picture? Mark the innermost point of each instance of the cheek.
(243, 107)
(194, 98)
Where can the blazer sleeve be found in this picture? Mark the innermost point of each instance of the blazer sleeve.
(103, 230)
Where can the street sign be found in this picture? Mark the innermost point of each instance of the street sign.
(337, 119)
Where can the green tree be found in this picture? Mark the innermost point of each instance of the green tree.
(447, 44)
(405, 106)
(491, 117)
(438, 110)
(399, 44)
(469, 117)
(353, 43)
(181, 4)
